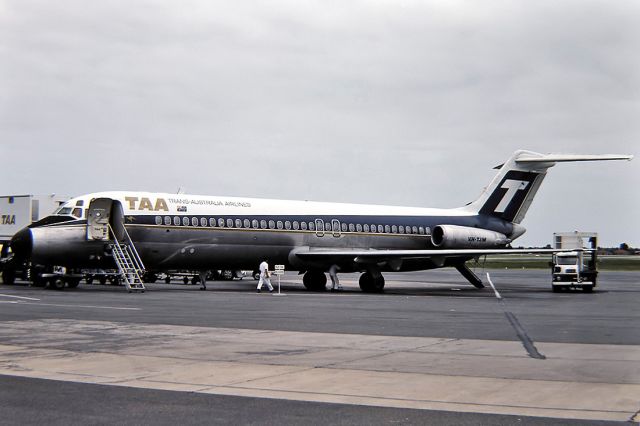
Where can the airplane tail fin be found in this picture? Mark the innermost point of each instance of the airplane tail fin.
(512, 190)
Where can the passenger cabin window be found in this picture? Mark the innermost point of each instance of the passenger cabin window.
(359, 227)
(352, 227)
(421, 230)
(194, 221)
(238, 223)
(344, 227)
(167, 220)
(303, 226)
(280, 225)
(221, 222)
(401, 229)
(212, 222)
(387, 229)
(158, 220)
(203, 221)
(373, 228)
(176, 220)
(287, 224)
(296, 225)
(414, 229)
(263, 224)
(327, 227)
(380, 229)
(247, 223)
(394, 229)
(185, 221)
(312, 226)
(254, 224)
(272, 224)
(229, 223)
(366, 227)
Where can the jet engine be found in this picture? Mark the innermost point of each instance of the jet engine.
(464, 237)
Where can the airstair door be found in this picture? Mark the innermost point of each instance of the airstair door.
(98, 217)
(102, 213)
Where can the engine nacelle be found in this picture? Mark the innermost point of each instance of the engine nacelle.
(464, 237)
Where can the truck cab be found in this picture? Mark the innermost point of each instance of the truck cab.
(575, 269)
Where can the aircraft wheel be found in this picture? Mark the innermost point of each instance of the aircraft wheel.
(88, 279)
(587, 288)
(102, 280)
(371, 283)
(167, 279)
(150, 278)
(73, 282)
(256, 275)
(36, 279)
(315, 280)
(56, 283)
(9, 276)
(185, 280)
(195, 280)
(556, 288)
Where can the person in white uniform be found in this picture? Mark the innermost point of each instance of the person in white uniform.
(264, 277)
(335, 282)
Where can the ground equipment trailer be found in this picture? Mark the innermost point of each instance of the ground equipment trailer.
(575, 269)
(16, 212)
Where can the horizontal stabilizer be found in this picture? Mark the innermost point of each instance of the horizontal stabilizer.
(558, 158)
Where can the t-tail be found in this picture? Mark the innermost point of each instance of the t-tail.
(511, 191)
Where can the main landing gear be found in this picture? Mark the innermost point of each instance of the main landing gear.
(372, 282)
(315, 280)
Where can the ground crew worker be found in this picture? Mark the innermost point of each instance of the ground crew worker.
(264, 276)
(335, 282)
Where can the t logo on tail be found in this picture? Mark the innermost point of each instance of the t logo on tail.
(512, 187)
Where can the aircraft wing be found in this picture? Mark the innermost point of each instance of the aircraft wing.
(371, 255)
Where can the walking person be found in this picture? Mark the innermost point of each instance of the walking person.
(264, 277)
(335, 282)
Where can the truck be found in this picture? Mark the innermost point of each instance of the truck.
(16, 212)
(576, 269)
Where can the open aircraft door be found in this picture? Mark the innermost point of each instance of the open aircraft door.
(102, 213)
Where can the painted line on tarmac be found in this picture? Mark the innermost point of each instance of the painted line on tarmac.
(18, 297)
(493, 287)
(520, 331)
(80, 306)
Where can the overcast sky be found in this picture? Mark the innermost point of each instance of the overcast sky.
(384, 102)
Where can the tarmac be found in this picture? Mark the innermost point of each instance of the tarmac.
(431, 349)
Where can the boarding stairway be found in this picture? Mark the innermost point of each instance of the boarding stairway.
(128, 261)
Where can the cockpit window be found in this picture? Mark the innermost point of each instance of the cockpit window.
(64, 211)
(69, 211)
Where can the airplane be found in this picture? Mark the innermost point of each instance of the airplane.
(203, 233)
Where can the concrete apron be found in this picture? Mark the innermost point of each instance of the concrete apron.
(575, 381)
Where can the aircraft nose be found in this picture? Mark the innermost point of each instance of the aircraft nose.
(22, 244)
